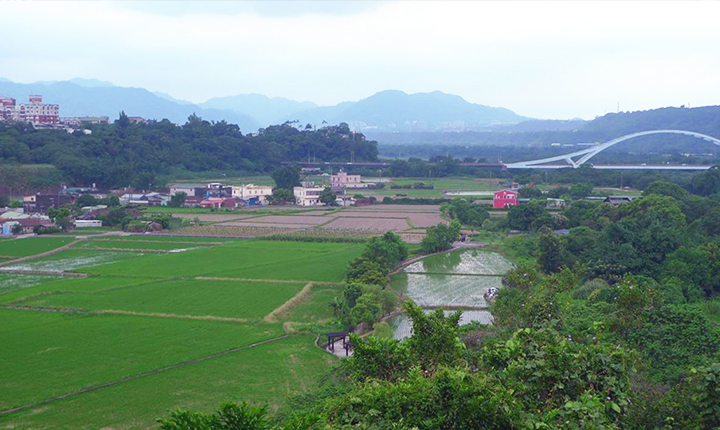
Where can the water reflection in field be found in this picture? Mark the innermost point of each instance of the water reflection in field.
(455, 280)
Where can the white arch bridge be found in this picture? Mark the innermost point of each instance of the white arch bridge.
(586, 154)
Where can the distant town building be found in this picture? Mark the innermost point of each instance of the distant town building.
(617, 200)
(213, 189)
(80, 120)
(307, 196)
(138, 120)
(40, 203)
(252, 191)
(504, 198)
(35, 111)
(343, 180)
(85, 223)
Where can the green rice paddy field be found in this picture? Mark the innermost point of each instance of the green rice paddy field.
(142, 334)
(31, 246)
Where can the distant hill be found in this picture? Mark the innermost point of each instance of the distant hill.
(394, 110)
(386, 111)
(704, 120)
(84, 100)
(264, 110)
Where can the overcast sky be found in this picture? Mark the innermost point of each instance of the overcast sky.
(540, 59)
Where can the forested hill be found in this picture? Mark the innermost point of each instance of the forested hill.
(125, 154)
(704, 120)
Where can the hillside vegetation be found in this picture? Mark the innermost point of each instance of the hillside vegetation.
(123, 154)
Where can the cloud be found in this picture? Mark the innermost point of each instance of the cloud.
(541, 59)
(262, 8)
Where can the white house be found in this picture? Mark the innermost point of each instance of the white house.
(188, 189)
(307, 196)
(248, 191)
(81, 223)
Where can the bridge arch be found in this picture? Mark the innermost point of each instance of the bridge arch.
(587, 154)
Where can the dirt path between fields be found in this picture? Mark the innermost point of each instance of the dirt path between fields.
(44, 254)
(284, 308)
(96, 387)
(121, 312)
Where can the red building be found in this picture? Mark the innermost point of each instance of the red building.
(503, 199)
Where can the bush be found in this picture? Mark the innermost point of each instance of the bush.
(39, 229)
(584, 291)
(523, 277)
(440, 237)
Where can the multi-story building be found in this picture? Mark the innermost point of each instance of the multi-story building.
(7, 108)
(343, 180)
(40, 203)
(504, 199)
(250, 191)
(35, 112)
(307, 196)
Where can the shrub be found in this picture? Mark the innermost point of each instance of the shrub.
(584, 291)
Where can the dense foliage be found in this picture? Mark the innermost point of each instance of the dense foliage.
(466, 212)
(440, 237)
(365, 298)
(124, 154)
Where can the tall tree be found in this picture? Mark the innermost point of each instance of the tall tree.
(286, 177)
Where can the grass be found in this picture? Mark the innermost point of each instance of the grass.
(76, 259)
(165, 238)
(31, 245)
(711, 309)
(248, 259)
(34, 285)
(439, 184)
(11, 282)
(314, 307)
(70, 352)
(246, 300)
(140, 244)
(166, 318)
(264, 374)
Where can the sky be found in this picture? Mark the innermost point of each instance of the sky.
(549, 60)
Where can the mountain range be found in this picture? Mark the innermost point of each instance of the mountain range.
(389, 111)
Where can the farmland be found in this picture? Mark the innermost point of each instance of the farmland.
(31, 246)
(408, 221)
(450, 281)
(160, 322)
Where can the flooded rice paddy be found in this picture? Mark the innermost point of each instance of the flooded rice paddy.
(451, 281)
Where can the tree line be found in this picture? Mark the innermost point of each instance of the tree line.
(142, 155)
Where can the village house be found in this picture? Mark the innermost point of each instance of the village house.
(343, 180)
(85, 223)
(26, 224)
(220, 202)
(204, 191)
(617, 200)
(251, 194)
(40, 203)
(190, 190)
(148, 199)
(555, 203)
(307, 196)
(504, 199)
